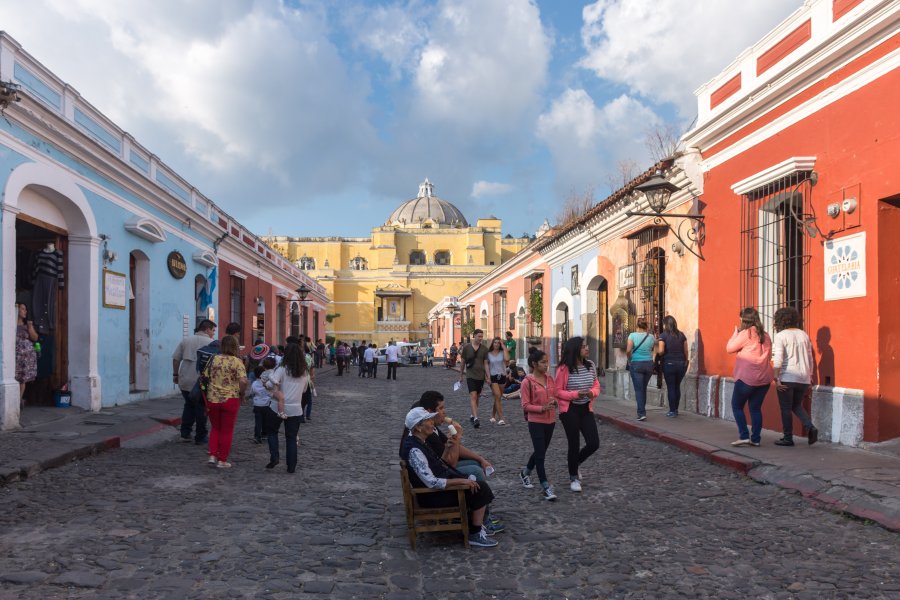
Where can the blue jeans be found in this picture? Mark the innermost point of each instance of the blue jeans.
(640, 378)
(754, 395)
(467, 466)
(673, 372)
(291, 427)
(193, 413)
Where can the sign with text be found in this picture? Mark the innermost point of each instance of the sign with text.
(115, 290)
(626, 277)
(176, 264)
(845, 267)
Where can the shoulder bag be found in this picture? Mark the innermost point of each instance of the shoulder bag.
(643, 339)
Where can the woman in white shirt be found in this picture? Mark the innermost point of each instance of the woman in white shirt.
(792, 359)
(496, 359)
(289, 381)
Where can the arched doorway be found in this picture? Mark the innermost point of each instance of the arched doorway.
(199, 290)
(562, 328)
(521, 332)
(596, 321)
(37, 192)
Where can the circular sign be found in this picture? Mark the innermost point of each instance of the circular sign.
(176, 264)
(457, 320)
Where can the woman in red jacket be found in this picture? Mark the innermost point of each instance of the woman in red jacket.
(539, 403)
(576, 387)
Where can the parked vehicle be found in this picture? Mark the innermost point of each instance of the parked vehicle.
(410, 353)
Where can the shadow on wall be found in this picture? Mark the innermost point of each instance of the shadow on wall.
(825, 366)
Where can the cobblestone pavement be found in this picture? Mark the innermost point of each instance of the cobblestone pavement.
(153, 521)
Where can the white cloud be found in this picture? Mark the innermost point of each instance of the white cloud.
(664, 49)
(490, 188)
(585, 140)
(394, 33)
(246, 100)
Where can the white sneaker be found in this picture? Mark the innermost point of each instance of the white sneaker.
(575, 486)
(548, 494)
(493, 421)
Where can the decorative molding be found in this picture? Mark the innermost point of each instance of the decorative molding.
(783, 169)
(238, 274)
(206, 258)
(146, 228)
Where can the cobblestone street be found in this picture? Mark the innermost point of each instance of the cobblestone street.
(652, 522)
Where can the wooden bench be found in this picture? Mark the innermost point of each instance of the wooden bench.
(422, 519)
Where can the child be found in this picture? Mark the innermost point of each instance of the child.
(261, 392)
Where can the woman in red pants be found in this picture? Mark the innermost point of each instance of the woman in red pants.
(227, 382)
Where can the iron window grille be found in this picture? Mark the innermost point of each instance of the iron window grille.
(534, 328)
(648, 296)
(417, 257)
(499, 310)
(775, 253)
(237, 300)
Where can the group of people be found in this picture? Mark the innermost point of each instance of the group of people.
(787, 361)
(482, 364)
(215, 381)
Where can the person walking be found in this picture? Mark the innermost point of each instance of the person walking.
(576, 387)
(641, 348)
(343, 361)
(227, 384)
(392, 356)
(673, 348)
(793, 362)
(510, 346)
(496, 359)
(185, 374)
(26, 356)
(369, 361)
(752, 375)
(539, 403)
(475, 370)
(261, 396)
(289, 381)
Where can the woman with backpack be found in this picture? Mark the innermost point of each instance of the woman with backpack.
(576, 387)
(641, 349)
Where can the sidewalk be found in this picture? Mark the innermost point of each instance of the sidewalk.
(51, 437)
(864, 483)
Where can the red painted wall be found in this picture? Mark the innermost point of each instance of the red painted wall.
(856, 141)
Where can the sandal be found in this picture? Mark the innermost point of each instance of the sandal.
(224, 465)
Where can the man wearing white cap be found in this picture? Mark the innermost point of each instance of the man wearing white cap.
(426, 469)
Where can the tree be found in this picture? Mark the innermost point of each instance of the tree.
(662, 141)
(467, 328)
(574, 207)
(331, 317)
(626, 169)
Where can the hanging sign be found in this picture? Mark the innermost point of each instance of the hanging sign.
(176, 264)
(115, 290)
(845, 267)
(626, 277)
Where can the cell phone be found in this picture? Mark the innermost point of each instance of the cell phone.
(489, 471)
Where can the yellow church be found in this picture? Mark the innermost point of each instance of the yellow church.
(382, 287)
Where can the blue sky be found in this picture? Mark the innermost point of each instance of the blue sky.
(315, 117)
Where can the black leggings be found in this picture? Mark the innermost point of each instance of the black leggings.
(578, 421)
(541, 434)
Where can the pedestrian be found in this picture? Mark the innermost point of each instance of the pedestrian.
(332, 354)
(320, 353)
(510, 346)
(290, 381)
(354, 354)
(539, 403)
(793, 362)
(227, 383)
(496, 358)
(307, 400)
(373, 364)
(392, 357)
(427, 470)
(752, 374)
(429, 356)
(26, 356)
(185, 374)
(641, 348)
(673, 348)
(454, 353)
(576, 387)
(341, 358)
(261, 395)
(361, 358)
(475, 370)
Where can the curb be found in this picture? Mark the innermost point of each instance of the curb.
(81, 452)
(820, 493)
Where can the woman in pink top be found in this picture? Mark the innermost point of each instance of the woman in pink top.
(752, 374)
(539, 403)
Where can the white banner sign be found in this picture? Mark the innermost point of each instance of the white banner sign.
(845, 267)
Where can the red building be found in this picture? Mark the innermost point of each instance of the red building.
(799, 139)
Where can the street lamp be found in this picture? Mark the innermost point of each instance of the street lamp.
(303, 291)
(658, 191)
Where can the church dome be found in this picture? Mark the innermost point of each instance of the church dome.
(427, 210)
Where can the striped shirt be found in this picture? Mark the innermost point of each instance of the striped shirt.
(582, 379)
(49, 264)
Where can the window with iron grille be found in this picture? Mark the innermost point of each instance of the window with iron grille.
(417, 257)
(775, 252)
(237, 300)
(280, 315)
(499, 310)
(442, 257)
(534, 289)
(648, 257)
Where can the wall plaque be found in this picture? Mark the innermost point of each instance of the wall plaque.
(176, 264)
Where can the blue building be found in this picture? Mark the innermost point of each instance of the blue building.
(113, 253)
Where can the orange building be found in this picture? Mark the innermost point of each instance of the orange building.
(799, 139)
